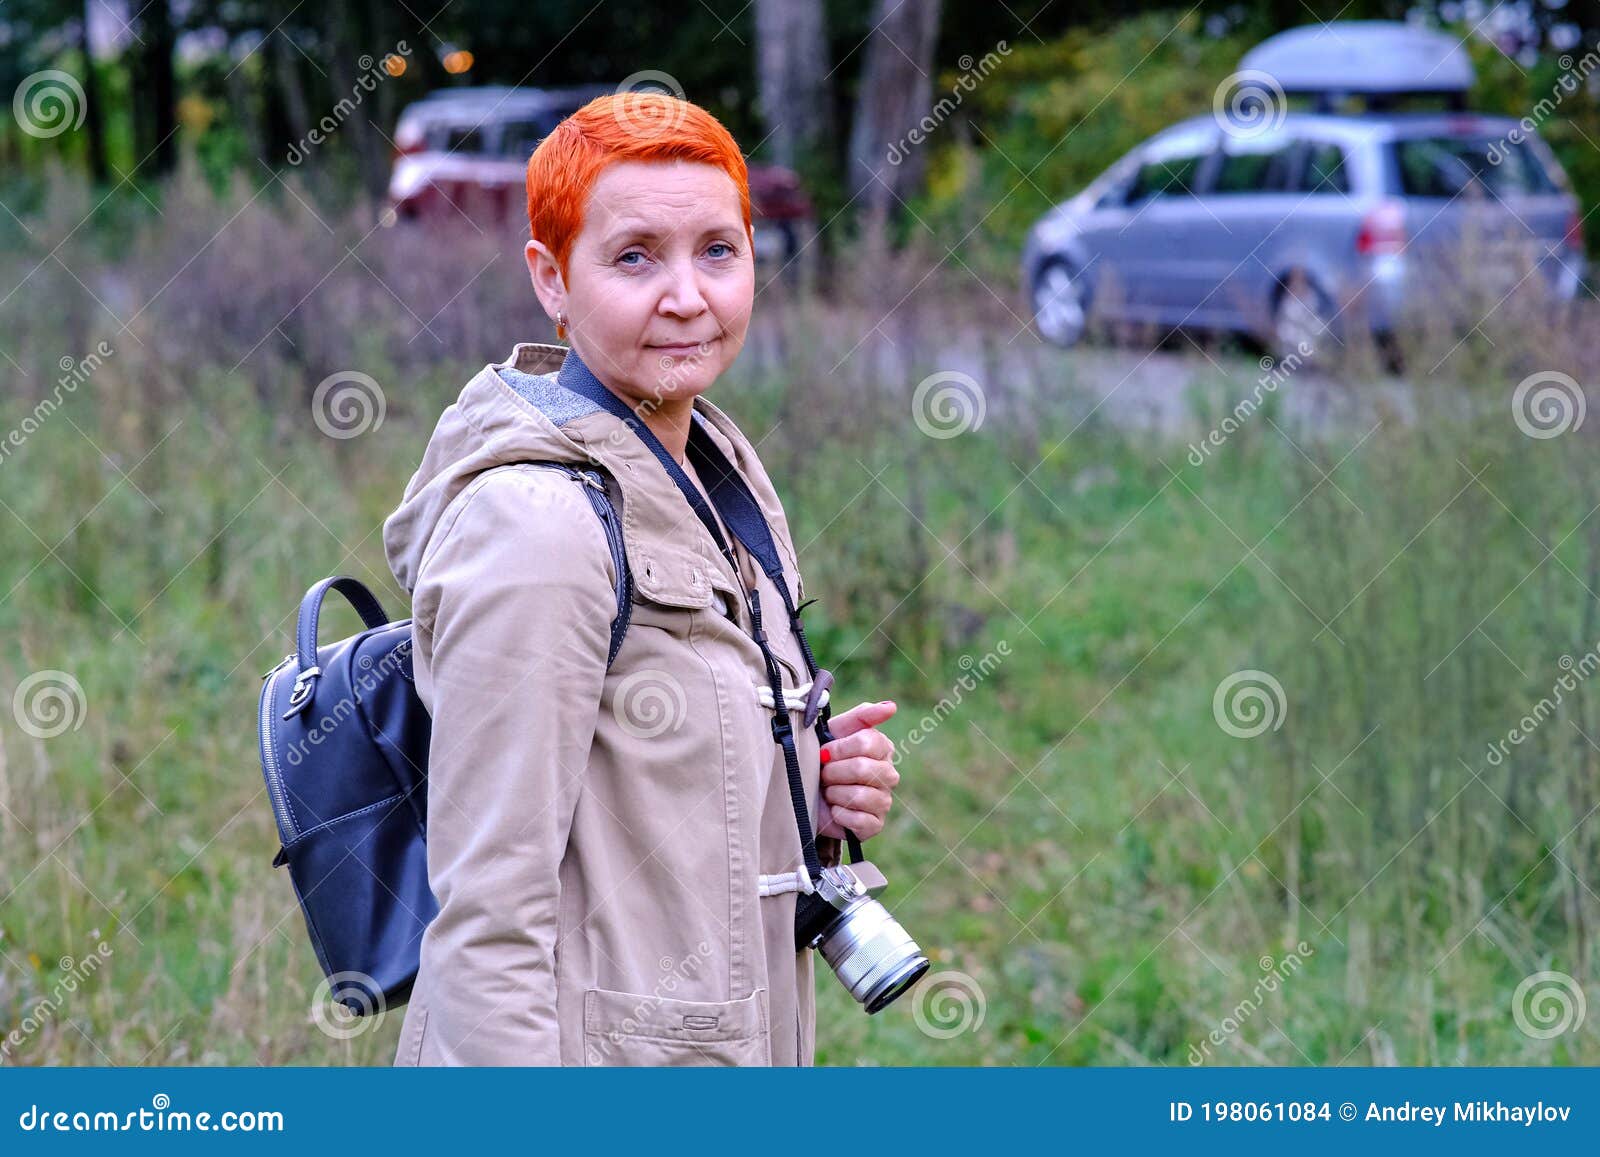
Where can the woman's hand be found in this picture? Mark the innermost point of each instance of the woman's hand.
(857, 774)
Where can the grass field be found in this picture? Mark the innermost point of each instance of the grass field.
(1199, 759)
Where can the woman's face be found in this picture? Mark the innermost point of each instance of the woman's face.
(660, 279)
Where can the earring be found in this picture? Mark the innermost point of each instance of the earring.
(561, 326)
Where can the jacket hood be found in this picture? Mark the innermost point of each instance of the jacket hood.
(517, 411)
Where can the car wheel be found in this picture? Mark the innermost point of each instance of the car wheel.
(1300, 318)
(1060, 304)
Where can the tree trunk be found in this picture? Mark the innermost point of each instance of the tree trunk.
(93, 114)
(285, 77)
(792, 67)
(896, 91)
(139, 116)
(160, 43)
(356, 30)
(248, 108)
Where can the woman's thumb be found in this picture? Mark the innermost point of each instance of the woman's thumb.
(862, 716)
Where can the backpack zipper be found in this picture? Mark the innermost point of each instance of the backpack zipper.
(269, 759)
(624, 586)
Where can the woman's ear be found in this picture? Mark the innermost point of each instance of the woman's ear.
(545, 273)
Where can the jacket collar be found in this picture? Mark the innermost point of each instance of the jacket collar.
(671, 554)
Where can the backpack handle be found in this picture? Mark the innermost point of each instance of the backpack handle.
(359, 597)
(354, 591)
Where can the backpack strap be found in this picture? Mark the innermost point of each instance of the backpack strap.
(594, 486)
(373, 616)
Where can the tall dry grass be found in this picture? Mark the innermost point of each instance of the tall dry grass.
(1076, 833)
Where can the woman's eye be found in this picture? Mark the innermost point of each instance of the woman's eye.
(626, 258)
(720, 249)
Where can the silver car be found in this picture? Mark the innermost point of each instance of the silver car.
(1304, 224)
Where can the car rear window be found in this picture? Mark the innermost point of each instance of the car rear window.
(1447, 166)
(1324, 171)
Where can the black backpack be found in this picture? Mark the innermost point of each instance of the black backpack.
(344, 749)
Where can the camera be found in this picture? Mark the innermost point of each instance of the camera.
(862, 942)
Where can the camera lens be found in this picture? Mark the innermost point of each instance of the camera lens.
(898, 984)
(873, 956)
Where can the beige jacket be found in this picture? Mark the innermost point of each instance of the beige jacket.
(615, 852)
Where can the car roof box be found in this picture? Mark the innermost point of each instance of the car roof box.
(1380, 60)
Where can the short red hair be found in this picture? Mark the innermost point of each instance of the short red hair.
(625, 126)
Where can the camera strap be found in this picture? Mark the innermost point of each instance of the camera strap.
(739, 509)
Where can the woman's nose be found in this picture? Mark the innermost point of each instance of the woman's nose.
(682, 297)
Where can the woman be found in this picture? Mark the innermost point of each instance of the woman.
(615, 850)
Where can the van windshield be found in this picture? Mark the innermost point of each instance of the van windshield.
(1449, 166)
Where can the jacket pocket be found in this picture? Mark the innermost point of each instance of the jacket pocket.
(624, 1028)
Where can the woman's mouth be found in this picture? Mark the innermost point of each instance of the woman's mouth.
(684, 349)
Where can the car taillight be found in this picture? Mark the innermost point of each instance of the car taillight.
(1574, 237)
(1383, 231)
